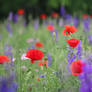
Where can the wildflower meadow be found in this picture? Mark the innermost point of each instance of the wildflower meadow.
(48, 54)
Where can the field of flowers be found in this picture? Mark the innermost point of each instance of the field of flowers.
(52, 56)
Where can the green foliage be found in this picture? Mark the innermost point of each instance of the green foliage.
(72, 6)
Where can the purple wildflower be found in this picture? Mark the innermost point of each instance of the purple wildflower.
(90, 39)
(71, 56)
(76, 21)
(62, 11)
(10, 18)
(68, 19)
(79, 51)
(60, 23)
(7, 85)
(36, 24)
(86, 24)
(49, 60)
(9, 29)
(86, 79)
(15, 18)
(8, 52)
(56, 35)
(42, 76)
(33, 47)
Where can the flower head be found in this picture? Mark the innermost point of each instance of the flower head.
(43, 16)
(54, 15)
(4, 59)
(23, 57)
(85, 16)
(38, 79)
(50, 27)
(44, 63)
(76, 67)
(39, 44)
(34, 55)
(69, 29)
(73, 42)
(90, 39)
(21, 11)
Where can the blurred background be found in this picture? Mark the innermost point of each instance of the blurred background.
(37, 7)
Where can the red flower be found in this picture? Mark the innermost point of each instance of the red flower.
(77, 67)
(39, 44)
(38, 79)
(21, 11)
(34, 55)
(54, 15)
(69, 29)
(85, 16)
(44, 63)
(73, 42)
(50, 27)
(4, 59)
(43, 16)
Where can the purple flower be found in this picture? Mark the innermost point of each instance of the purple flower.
(68, 19)
(90, 39)
(15, 18)
(42, 76)
(56, 35)
(49, 60)
(86, 79)
(86, 24)
(33, 47)
(60, 23)
(36, 24)
(71, 56)
(8, 52)
(76, 21)
(62, 11)
(8, 84)
(79, 51)
(9, 29)
(10, 16)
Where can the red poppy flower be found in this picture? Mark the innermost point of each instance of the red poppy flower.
(73, 42)
(4, 59)
(39, 44)
(34, 55)
(21, 11)
(54, 15)
(44, 63)
(50, 27)
(43, 16)
(85, 16)
(69, 29)
(38, 79)
(77, 67)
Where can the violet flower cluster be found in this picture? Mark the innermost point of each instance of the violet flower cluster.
(8, 52)
(49, 60)
(62, 11)
(86, 79)
(9, 29)
(86, 24)
(76, 21)
(71, 56)
(79, 51)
